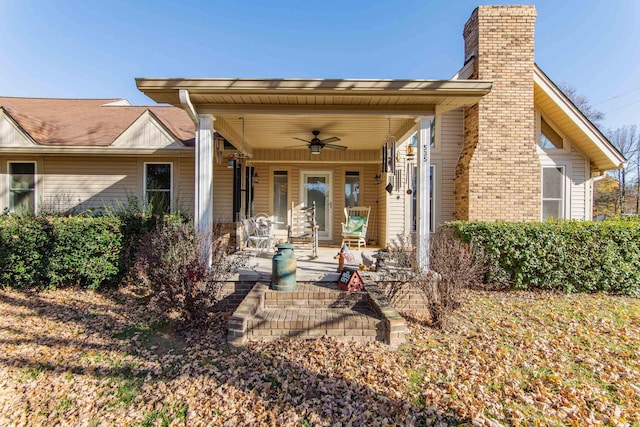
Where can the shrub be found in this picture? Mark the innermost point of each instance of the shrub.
(567, 256)
(25, 245)
(169, 262)
(85, 252)
(45, 252)
(453, 266)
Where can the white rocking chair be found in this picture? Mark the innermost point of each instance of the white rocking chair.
(354, 229)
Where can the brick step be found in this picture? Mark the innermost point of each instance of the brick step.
(315, 297)
(344, 324)
(315, 310)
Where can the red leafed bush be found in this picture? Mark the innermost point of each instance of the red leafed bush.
(182, 285)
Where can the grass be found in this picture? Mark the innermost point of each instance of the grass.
(519, 358)
(127, 390)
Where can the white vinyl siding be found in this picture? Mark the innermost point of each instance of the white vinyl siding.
(82, 183)
(446, 159)
(580, 192)
(577, 196)
(10, 135)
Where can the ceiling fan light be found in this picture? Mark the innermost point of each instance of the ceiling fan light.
(315, 149)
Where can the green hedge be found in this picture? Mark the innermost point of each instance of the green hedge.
(567, 256)
(46, 252)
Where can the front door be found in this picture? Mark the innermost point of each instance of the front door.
(316, 187)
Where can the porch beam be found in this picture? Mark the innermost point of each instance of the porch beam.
(423, 193)
(203, 210)
(300, 109)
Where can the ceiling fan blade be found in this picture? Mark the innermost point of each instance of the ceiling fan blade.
(300, 139)
(330, 140)
(297, 146)
(335, 147)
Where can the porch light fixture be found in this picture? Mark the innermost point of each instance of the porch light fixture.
(377, 179)
(315, 149)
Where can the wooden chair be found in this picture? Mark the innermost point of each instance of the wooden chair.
(302, 230)
(354, 227)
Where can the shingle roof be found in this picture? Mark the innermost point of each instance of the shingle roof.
(88, 122)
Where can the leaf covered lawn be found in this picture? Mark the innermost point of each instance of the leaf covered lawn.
(72, 357)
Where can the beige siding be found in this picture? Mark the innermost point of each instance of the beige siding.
(82, 183)
(222, 193)
(10, 136)
(369, 190)
(146, 132)
(262, 190)
(445, 157)
(577, 188)
(184, 188)
(326, 156)
(580, 208)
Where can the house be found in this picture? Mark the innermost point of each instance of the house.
(500, 140)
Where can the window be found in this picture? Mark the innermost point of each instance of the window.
(552, 192)
(549, 138)
(280, 199)
(414, 199)
(22, 187)
(352, 189)
(157, 187)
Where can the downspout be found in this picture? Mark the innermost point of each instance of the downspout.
(185, 100)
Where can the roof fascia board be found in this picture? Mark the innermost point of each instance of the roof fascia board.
(578, 118)
(466, 71)
(347, 87)
(83, 150)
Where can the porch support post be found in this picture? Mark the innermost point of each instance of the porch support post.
(203, 210)
(423, 191)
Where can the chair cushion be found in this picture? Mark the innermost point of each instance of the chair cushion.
(355, 224)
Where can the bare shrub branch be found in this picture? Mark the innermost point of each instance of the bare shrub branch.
(454, 266)
(169, 262)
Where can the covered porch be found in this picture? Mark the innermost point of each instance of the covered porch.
(275, 163)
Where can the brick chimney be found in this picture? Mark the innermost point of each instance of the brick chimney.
(498, 173)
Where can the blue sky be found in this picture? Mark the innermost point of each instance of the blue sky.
(95, 49)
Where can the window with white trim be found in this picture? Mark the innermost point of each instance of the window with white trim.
(280, 199)
(158, 187)
(553, 193)
(22, 187)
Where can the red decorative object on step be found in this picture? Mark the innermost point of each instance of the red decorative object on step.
(350, 280)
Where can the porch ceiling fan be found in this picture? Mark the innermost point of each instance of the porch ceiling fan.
(316, 144)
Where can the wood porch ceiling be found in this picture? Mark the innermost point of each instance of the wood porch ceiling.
(277, 110)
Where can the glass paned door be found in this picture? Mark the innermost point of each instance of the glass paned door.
(316, 187)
